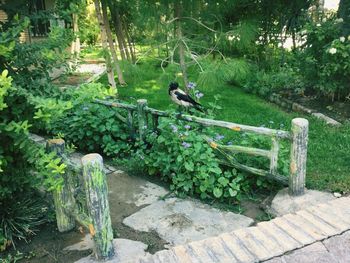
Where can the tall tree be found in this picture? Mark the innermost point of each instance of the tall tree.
(110, 72)
(118, 25)
(111, 44)
(181, 48)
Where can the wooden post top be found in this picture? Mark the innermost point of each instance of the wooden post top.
(300, 122)
(142, 101)
(55, 141)
(92, 158)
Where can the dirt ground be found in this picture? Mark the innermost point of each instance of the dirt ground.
(47, 246)
(73, 79)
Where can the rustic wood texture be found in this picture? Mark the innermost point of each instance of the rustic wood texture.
(274, 155)
(64, 195)
(298, 137)
(97, 204)
(130, 123)
(141, 105)
(298, 156)
(207, 122)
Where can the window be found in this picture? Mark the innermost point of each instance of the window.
(40, 26)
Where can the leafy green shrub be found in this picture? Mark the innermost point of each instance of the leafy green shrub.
(93, 127)
(24, 166)
(324, 58)
(181, 155)
(265, 83)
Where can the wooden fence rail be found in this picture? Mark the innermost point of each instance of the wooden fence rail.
(98, 220)
(298, 136)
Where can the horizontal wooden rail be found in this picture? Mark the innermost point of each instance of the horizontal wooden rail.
(298, 137)
(277, 177)
(116, 104)
(242, 149)
(223, 124)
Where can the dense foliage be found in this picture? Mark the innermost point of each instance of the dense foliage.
(24, 166)
(241, 43)
(182, 156)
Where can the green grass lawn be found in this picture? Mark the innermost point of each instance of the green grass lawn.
(328, 166)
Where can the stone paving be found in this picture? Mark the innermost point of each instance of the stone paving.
(308, 229)
(335, 249)
(180, 221)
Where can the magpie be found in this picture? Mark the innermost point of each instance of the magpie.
(181, 98)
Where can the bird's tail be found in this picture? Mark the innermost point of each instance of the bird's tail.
(199, 107)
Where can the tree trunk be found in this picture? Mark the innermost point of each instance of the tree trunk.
(344, 13)
(181, 44)
(120, 33)
(76, 43)
(110, 43)
(132, 52)
(110, 73)
(113, 9)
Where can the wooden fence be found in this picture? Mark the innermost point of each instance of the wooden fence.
(298, 137)
(97, 220)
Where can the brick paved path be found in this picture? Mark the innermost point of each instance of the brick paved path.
(288, 238)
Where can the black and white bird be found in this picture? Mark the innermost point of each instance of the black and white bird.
(181, 98)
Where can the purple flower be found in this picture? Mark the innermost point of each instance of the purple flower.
(191, 85)
(186, 144)
(85, 108)
(174, 128)
(219, 137)
(199, 95)
(229, 143)
(187, 127)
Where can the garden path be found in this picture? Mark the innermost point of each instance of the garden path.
(304, 236)
(317, 234)
(194, 232)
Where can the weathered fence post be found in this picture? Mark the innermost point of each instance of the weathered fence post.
(298, 156)
(64, 195)
(130, 123)
(141, 104)
(97, 203)
(274, 156)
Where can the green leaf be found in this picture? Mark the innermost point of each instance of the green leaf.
(223, 181)
(232, 192)
(189, 166)
(217, 192)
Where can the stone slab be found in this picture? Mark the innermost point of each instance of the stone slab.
(327, 119)
(182, 221)
(283, 203)
(339, 246)
(126, 251)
